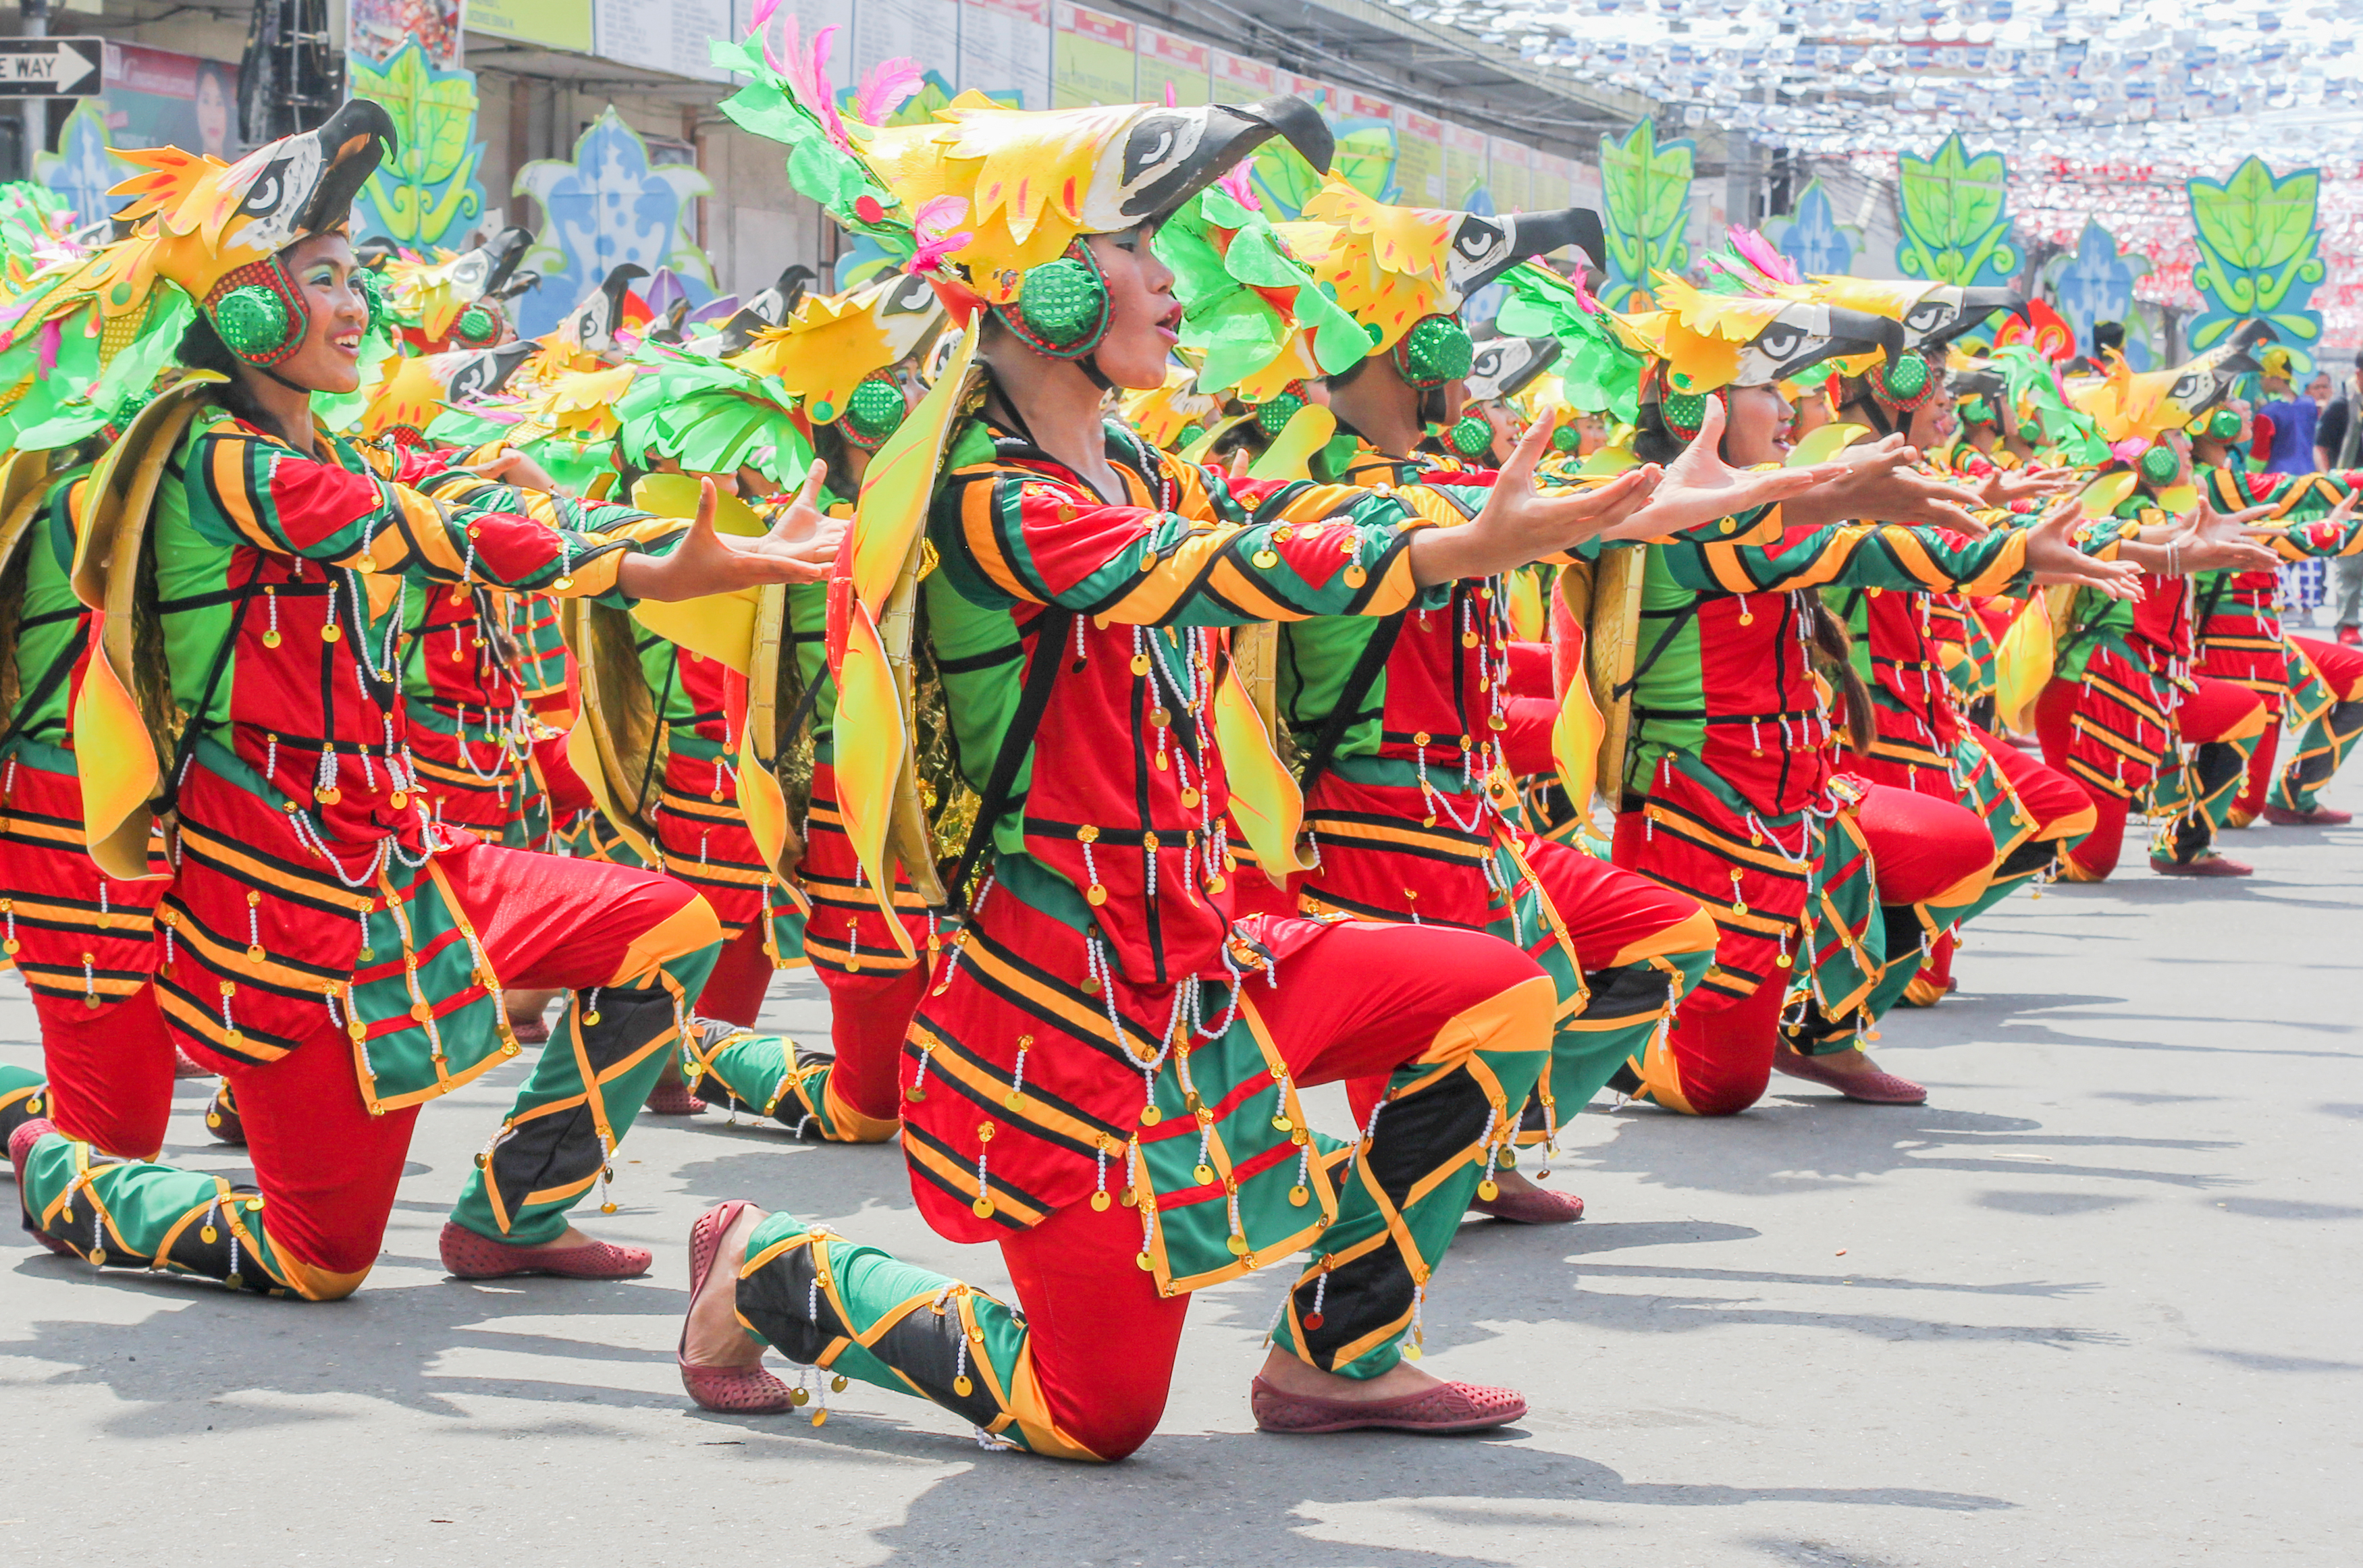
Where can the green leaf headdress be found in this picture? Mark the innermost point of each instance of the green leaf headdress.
(1252, 313)
(1599, 372)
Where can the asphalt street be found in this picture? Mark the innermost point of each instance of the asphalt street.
(2095, 1303)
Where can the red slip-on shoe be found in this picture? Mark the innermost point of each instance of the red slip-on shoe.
(1869, 1088)
(187, 1066)
(2210, 864)
(470, 1256)
(530, 1030)
(733, 1390)
(2350, 637)
(673, 1100)
(222, 1119)
(1535, 1205)
(2321, 816)
(1448, 1408)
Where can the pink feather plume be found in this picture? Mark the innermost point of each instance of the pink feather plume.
(1240, 187)
(888, 86)
(807, 74)
(1761, 255)
(933, 224)
(51, 334)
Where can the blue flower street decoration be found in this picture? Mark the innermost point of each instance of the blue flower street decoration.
(608, 206)
(2096, 284)
(81, 169)
(1812, 237)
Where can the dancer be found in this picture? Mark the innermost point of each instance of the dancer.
(1729, 793)
(1101, 1026)
(338, 959)
(1404, 722)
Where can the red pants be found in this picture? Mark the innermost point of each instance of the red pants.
(1921, 846)
(742, 976)
(2215, 710)
(2341, 669)
(84, 945)
(110, 1071)
(326, 1167)
(1360, 1002)
(2053, 802)
(872, 989)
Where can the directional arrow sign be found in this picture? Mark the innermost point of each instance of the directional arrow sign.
(48, 68)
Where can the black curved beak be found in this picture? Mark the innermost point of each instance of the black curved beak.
(1297, 123)
(1854, 331)
(2252, 334)
(508, 248)
(1233, 130)
(1978, 306)
(1979, 383)
(1532, 356)
(1539, 234)
(353, 142)
(791, 285)
(621, 277)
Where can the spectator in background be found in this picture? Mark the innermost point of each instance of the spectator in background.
(2337, 443)
(2291, 418)
(2319, 389)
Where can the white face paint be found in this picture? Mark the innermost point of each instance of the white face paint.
(906, 310)
(1479, 246)
(274, 185)
(1791, 340)
(1936, 310)
(1158, 147)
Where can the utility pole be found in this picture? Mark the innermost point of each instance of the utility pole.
(36, 110)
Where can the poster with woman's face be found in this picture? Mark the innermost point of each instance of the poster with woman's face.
(380, 28)
(156, 97)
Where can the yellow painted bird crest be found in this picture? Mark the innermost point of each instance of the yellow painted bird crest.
(832, 342)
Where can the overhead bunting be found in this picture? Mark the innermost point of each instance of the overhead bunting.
(1646, 204)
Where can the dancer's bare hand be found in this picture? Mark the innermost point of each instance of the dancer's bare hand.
(797, 549)
(1522, 521)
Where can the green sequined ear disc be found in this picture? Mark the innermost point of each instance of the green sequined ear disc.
(1471, 437)
(474, 325)
(2223, 424)
(2159, 465)
(1907, 380)
(252, 321)
(871, 414)
(1273, 416)
(1062, 301)
(1435, 350)
(1567, 438)
(2029, 431)
(1685, 410)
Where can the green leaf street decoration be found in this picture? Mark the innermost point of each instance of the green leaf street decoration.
(1646, 204)
(427, 194)
(2259, 253)
(1951, 209)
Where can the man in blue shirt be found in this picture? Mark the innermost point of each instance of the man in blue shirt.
(2291, 417)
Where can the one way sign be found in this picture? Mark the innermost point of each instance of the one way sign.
(50, 68)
